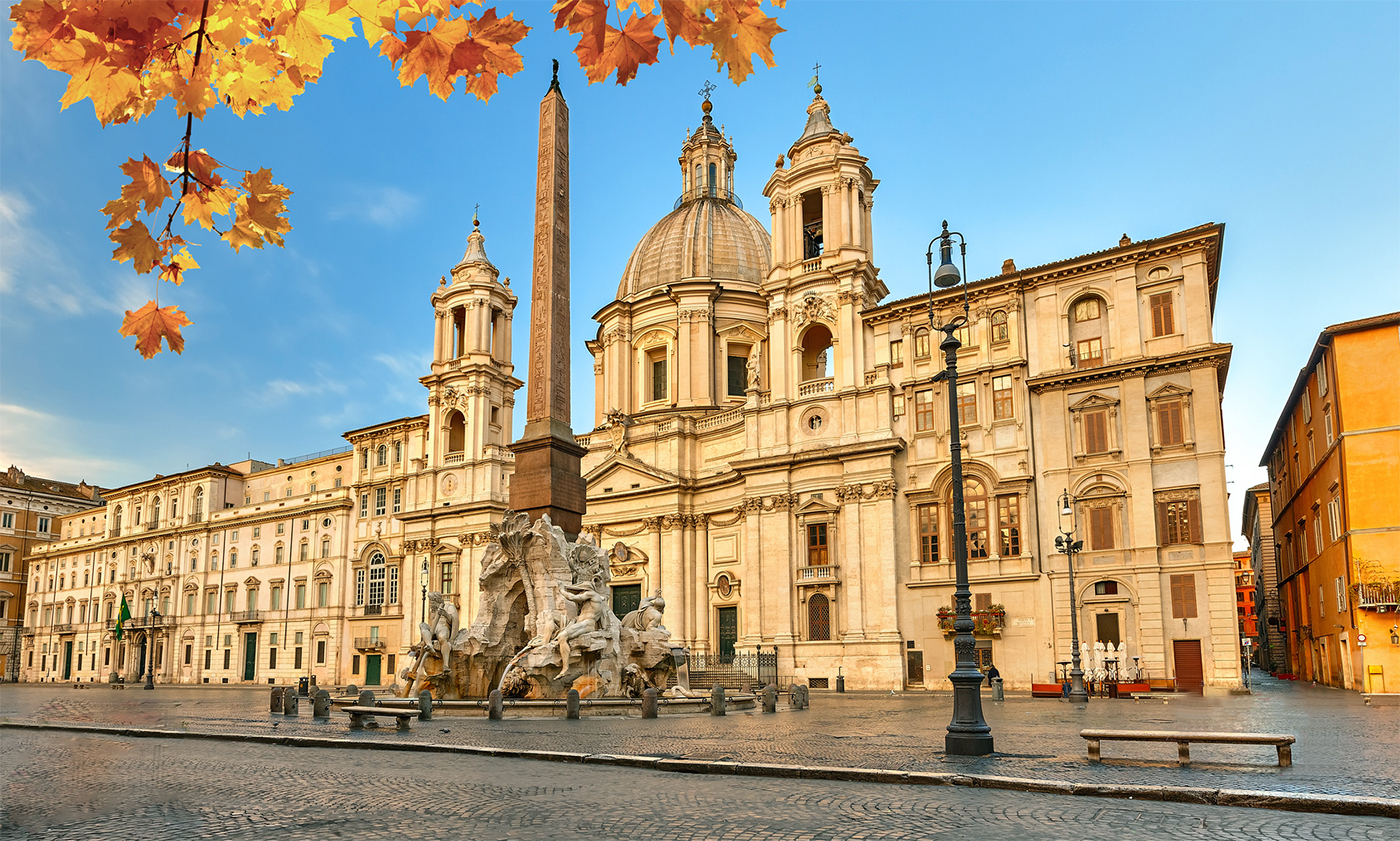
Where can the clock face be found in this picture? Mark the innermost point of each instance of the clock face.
(449, 485)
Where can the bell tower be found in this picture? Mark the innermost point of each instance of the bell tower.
(823, 274)
(471, 390)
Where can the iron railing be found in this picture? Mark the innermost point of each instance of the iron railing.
(1380, 596)
(716, 193)
(246, 616)
(760, 665)
(369, 643)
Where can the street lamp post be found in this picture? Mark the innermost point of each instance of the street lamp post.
(423, 579)
(154, 618)
(968, 732)
(1066, 543)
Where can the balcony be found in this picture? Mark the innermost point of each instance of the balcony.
(114, 533)
(374, 609)
(246, 617)
(812, 388)
(369, 643)
(65, 628)
(822, 574)
(1382, 597)
(27, 631)
(454, 458)
(986, 623)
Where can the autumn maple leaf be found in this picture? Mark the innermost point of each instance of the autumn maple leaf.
(741, 30)
(624, 50)
(178, 265)
(135, 243)
(150, 324)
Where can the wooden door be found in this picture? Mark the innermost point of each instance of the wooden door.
(1106, 628)
(67, 659)
(372, 669)
(915, 661)
(250, 656)
(1190, 673)
(728, 632)
(626, 598)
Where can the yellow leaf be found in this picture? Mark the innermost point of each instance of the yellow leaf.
(147, 183)
(179, 264)
(134, 242)
(740, 30)
(150, 324)
(625, 49)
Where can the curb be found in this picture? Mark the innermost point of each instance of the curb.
(1334, 804)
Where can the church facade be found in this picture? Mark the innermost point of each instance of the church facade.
(770, 451)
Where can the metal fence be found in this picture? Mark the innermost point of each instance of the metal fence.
(760, 665)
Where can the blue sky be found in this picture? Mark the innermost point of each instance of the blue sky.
(1040, 131)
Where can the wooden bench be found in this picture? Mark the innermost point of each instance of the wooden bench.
(1183, 741)
(359, 714)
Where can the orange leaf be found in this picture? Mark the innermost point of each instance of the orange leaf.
(429, 53)
(150, 324)
(740, 30)
(624, 50)
(263, 203)
(242, 233)
(685, 19)
(179, 264)
(121, 211)
(497, 38)
(134, 242)
(587, 19)
(147, 184)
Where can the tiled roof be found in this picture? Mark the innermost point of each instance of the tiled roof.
(20, 481)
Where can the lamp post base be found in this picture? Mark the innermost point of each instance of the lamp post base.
(968, 744)
(968, 733)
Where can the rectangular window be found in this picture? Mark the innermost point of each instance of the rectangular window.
(1307, 407)
(277, 554)
(449, 584)
(228, 654)
(359, 587)
(1341, 591)
(738, 371)
(275, 597)
(1090, 353)
(208, 658)
(1322, 377)
(380, 494)
(43, 524)
(898, 409)
(398, 500)
(923, 410)
(1327, 424)
(1183, 596)
(364, 505)
(1096, 432)
(816, 545)
(272, 658)
(281, 528)
(1334, 518)
(896, 353)
(393, 585)
(1178, 521)
(5, 561)
(323, 594)
(212, 605)
(257, 532)
(189, 604)
(320, 652)
(1162, 322)
(1009, 520)
(301, 596)
(1317, 532)
(354, 664)
(1101, 528)
(928, 534)
(7, 520)
(304, 553)
(1169, 429)
(296, 657)
(1001, 397)
(189, 653)
(659, 385)
(967, 403)
(325, 547)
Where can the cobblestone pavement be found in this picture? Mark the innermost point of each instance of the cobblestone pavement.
(1344, 747)
(59, 786)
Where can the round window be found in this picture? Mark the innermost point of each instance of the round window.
(326, 523)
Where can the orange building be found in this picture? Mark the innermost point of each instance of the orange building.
(1247, 618)
(1334, 481)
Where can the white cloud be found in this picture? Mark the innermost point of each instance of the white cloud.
(387, 207)
(44, 445)
(412, 365)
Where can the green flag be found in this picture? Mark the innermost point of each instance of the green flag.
(122, 615)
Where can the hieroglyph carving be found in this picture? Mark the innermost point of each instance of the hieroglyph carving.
(549, 296)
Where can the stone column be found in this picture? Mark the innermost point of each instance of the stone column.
(853, 563)
(700, 629)
(548, 477)
(673, 577)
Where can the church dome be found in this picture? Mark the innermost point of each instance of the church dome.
(705, 237)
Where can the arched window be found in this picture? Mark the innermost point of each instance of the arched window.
(232, 558)
(456, 433)
(117, 520)
(1001, 331)
(198, 513)
(713, 180)
(1087, 332)
(382, 456)
(975, 508)
(921, 344)
(818, 617)
(816, 353)
(398, 452)
(376, 578)
(155, 512)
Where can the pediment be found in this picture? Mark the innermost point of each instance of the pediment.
(1093, 401)
(621, 474)
(817, 506)
(1169, 390)
(251, 581)
(739, 331)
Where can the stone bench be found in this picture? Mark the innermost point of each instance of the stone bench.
(1183, 740)
(359, 714)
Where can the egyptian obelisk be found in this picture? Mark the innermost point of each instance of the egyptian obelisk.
(548, 479)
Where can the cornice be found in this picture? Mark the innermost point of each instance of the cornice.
(1215, 356)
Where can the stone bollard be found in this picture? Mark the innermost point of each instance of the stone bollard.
(276, 699)
(496, 705)
(717, 700)
(649, 702)
(797, 696)
(366, 698)
(747, 688)
(571, 705)
(425, 706)
(770, 698)
(321, 704)
(998, 692)
(289, 700)
(352, 690)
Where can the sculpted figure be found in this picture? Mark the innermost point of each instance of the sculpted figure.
(648, 614)
(590, 611)
(753, 365)
(439, 631)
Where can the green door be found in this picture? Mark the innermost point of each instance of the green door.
(67, 659)
(728, 632)
(250, 655)
(626, 598)
(372, 669)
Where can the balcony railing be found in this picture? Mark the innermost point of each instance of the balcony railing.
(369, 643)
(815, 387)
(114, 533)
(707, 192)
(27, 631)
(374, 609)
(454, 458)
(822, 574)
(984, 622)
(244, 617)
(65, 628)
(1378, 596)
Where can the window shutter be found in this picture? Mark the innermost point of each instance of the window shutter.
(1193, 515)
(1096, 432)
(1101, 527)
(983, 601)
(1161, 523)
